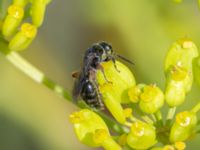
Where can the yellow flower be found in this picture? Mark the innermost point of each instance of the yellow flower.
(151, 99)
(180, 145)
(38, 10)
(183, 127)
(12, 20)
(23, 38)
(182, 52)
(92, 130)
(178, 71)
(115, 90)
(141, 136)
(134, 94)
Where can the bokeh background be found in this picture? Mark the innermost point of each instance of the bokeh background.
(33, 117)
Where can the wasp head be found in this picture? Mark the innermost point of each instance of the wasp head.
(104, 51)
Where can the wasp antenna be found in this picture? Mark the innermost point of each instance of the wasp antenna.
(125, 59)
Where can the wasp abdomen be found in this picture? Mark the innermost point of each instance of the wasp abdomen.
(88, 91)
(90, 95)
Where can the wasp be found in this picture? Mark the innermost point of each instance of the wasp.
(86, 85)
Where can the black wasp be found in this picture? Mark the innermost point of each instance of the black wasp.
(86, 85)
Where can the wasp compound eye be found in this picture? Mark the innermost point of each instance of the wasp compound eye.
(107, 47)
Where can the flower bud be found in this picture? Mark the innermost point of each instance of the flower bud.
(182, 52)
(179, 82)
(178, 71)
(128, 112)
(38, 11)
(113, 106)
(86, 124)
(23, 38)
(151, 99)
(115, 90)
(180, 145)
(183, 127)
(175, 87)
(92, 130)
(141, 136)
(134, 93)
(121, 80)
(12, 20)
(110, 144)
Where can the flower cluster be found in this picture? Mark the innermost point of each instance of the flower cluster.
(14, 26)
(137, 107)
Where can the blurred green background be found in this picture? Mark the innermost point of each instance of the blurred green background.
(33, 117)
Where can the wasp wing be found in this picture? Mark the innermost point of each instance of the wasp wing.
(78, 85)
(83, 75)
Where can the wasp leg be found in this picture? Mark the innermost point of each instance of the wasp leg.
(100, 67)
(91, 101)
(99, 96)
(114, 62)
(101, 105)
(92, 75)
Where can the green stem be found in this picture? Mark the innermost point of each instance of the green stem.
(40, 78)
(147, 119)
(128, 124)
(158, 116)
(170, 115)
(196, 108)
(153, 117)
(133, 119)
(36, 74)
(171, 112)
(144, 118)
